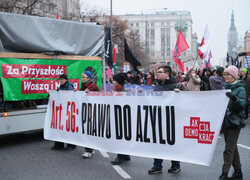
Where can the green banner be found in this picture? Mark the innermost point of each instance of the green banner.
(30, 79)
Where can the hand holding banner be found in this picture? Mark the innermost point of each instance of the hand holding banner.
(165, 125)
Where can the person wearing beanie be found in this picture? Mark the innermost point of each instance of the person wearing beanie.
(236, 106)
(217, 82)
(88, 73)
(243, 74)
(118, 82)
(233, 71)
(64, 85)
(88, 85)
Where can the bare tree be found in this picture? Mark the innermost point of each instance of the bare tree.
(19, 7)
(89, 13)
(7, 5)
(121, 31)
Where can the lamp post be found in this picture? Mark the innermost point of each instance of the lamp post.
(146, 41)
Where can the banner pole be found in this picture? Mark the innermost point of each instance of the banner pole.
(195, 59)
(103, 71)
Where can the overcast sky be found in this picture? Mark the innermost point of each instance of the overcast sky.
(215, 13)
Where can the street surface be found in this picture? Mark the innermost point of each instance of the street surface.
(29, 157)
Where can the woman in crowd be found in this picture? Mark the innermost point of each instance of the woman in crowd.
(231, 133)
(150, 79)
(193, 81)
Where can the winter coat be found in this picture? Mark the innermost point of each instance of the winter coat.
(238, 106)
(66, 86)
(90, 86)
(167, 85)
(247, 83)
(216, 82)
(193, 83)
(150, 81)
(238, 89)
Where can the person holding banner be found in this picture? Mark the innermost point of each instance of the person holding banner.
(88, 85)
(165, 83)
(64, 85)
(118, 82)
(235, 108)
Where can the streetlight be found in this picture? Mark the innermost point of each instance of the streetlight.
(146, 34)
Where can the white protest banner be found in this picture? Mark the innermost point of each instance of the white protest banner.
(180, 126)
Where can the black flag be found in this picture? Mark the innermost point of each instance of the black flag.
(130, 57)
(108, 49)
(227, 57)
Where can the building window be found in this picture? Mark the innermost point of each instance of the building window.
(163, 39)
(152, 47)
(132, 24)
(137, 33)
(152, 40)
(168, 54)
(162, 32)
(168, 32)
(168, 23)
(152, 54)
(152, 24)
(168, 47)
(152, 32)
(168, 39)
(162, 23)
(137, 24)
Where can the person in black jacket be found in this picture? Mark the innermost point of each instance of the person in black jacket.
(165, 83)
(64, 85)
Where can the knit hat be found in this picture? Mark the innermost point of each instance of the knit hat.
(244, 70)
(88, 73)
(63, 76)
(119, 78)
(220, 70)
(233, 70)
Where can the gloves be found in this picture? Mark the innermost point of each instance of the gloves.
(231, 96)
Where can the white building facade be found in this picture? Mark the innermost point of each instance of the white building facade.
(162, 30)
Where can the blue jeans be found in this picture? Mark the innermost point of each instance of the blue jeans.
(158, 163)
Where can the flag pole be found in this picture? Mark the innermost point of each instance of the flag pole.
(195, 59)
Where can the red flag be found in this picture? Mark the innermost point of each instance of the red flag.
(180, 46)
(114, 53)
(57, 15)
(187, 68)
(173, 67)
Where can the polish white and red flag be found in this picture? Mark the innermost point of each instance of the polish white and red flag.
(204, 47)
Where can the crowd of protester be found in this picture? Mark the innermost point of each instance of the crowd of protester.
(194, 80)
